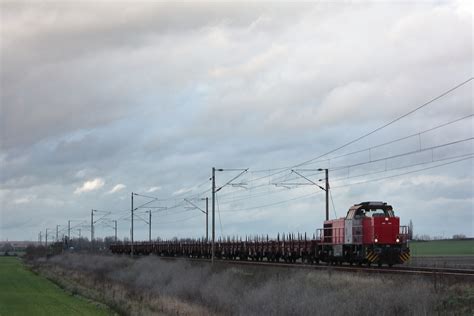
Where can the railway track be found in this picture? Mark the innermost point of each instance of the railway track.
(467, 274)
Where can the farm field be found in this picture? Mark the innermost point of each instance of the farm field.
(454, 262)
(24, 293)
(442, 248)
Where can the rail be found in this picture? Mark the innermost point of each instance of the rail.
(462, 274)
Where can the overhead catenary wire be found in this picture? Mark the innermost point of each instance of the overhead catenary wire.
(346, 185)
(403, 154)
(372, 147)
(273, 204)
(178, 220)
(219, 213)
(401, 138)
(332, 202)
(405, 173)
(334, 187)
(245, 197)
(383, 171)
(372, 131)
(392, 121)
(309, 161)
(377, 146)
(413, 152)
(338, 179)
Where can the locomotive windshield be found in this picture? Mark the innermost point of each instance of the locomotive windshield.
(380, 213)
(370, 209)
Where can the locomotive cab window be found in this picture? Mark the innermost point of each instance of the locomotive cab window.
(370, 209)
(381, 213)
(355, 214)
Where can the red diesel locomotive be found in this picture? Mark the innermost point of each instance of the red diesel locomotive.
(369, 234)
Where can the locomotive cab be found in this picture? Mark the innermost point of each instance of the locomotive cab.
(378, 220)
(370, 233)
(383, 238)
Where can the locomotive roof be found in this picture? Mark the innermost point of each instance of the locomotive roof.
(373, 205)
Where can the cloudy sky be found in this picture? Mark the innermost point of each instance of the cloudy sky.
(99, 100)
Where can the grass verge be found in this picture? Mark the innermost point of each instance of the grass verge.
(24, 293)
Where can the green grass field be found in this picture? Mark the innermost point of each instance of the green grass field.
(442, 248)
(25, 293)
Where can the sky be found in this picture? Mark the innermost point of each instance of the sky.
(102, 99)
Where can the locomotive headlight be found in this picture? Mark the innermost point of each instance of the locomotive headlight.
(397, 240)
(376, 240)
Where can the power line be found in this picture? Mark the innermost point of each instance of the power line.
(274, 203)
(392, 121)
(404, 154)
(177, 221)
(375, 146)
(371, 132)
(312, 160)
(346, 185)
(398, 168)
(405, 173)
(369, 148)
(392, 157)
(219, 213)
(333, 206)
(245, 197)
(401, 138)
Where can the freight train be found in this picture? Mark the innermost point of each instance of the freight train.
(370, 233)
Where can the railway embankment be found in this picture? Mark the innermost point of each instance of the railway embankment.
(150, 285)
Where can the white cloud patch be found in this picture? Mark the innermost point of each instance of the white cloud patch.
(153, 189)
(117, 188)
(90, 185)
(23, 200)
(182, 191)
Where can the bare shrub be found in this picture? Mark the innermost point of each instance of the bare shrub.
(152, 285)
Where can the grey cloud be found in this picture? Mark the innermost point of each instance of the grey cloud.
(97, 81)
(75, 61)
(60, 161)
(157, 94)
